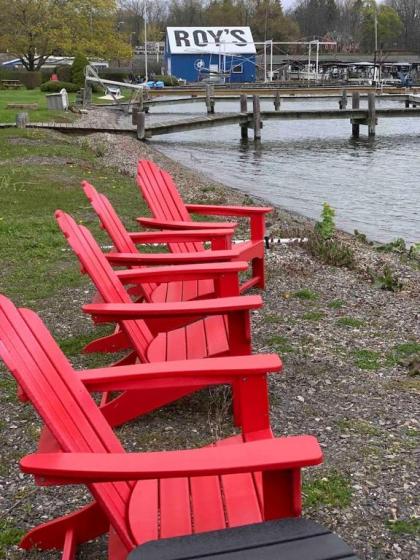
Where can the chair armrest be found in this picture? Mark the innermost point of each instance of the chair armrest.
(177, 273)
(175, 236)
(254, 213)
(214, 210)
(133, 259)
(106, 312)
(119, 378)
(165, 224)
(264, 455)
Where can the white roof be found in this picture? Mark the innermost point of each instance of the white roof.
(214, 40)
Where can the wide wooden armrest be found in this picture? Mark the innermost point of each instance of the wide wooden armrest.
(263, 455)
(126, 311)
(212, 209)
(133, 259)
(165, 224)
(182, 272)
(175, 236)
(119, 378)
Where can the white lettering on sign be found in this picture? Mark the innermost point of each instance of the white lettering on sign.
(214, 40)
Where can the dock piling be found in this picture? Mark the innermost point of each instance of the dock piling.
(371, 120)
(355, 104)
(134, 113)
(22, 120)
(257, 117)
(277, 101)
(244, 109)
(342, 102)
(210, 102)
(141, 125)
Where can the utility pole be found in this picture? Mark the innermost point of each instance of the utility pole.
(376, 45)
(146, 72)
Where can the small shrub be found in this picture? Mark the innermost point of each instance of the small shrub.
(396, 246)
(78, 69)
(56, 86)
(167, 80)
(361, 237)
(330, 251)
(64, 73)
(388, 281)
(326, 227)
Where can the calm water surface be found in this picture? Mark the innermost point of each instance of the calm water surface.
(372, 183)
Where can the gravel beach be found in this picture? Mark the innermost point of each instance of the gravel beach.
(351, 364)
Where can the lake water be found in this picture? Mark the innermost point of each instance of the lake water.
(373, 183)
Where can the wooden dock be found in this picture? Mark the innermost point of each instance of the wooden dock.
(246, 120)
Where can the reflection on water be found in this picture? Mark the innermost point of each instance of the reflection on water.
(373, 183)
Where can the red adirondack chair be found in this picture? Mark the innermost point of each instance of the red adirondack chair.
(169, 211)
(186, 330)
(125, 243)
(138, 497)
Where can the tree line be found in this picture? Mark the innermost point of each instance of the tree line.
(351, 23)
(32, 30)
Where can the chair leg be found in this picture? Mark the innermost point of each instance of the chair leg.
(116, 548)
(258, 271)
(65, 532)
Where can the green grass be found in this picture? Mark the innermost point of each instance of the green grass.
(358, 426)
(9, 536)
(42, 114)
(405, 526)
(402, 352)
(332, 490)
(36, 261)
(272, 318)
(367, 359)
(350, 322)
(336, 304)
(306, 294)
(74, 345)
(280, 344)
(313, 315)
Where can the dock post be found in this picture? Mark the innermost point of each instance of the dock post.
(355, 104)
(141, 125)
(134, 113)
(277, 101)
(244, 109)
(141, 100)
(257, 117)
(210, 98)
(87, 95)
(407, 102)
(371, 114)
(342, 103)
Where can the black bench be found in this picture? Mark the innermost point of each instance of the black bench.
(284, 539)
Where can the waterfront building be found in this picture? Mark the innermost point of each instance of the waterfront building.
(211, 54)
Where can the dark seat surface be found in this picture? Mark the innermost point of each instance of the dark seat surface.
(285, 539)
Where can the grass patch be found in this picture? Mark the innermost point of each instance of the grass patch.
(313, 315)
(306, 294)
(336, 304)
(36, 261)
(367, 359)
(402, 352)
(280, 344)
(42, 114)
(405, 526)
(359, 426)
(74, 345)
(272, 318)
(9, 536)
(350, 322)
(332, 490)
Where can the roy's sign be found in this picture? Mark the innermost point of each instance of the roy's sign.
(214, 40)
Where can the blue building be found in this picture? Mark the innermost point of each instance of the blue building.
(197, 53)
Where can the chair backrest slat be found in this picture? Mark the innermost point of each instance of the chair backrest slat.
(161, 195)
(107, 283)
(61, 400)
(112, 224)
